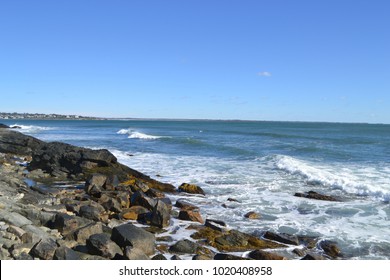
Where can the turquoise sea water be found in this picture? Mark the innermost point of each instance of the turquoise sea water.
(261, 164)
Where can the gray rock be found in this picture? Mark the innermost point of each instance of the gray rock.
(95, 184)
(16, 231)
(82, 234)
(90, 212)
(4, 126)
(33, 234)
(101, 244)
(44, 249)
(140, 199)
(13, 142)
(110, 203)
(184, 247)
(130, 235)
(160, 216)
(317, 196)
(14, 218)
(216, 225)
(282, 238)
(67, 224)
(64, 253)
(135, 254)
(175, 258)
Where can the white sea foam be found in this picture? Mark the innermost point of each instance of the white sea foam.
(364, 181)
(133, 134)
(30, 128)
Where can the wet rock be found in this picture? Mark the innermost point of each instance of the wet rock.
(263, 255)
(227, 257)
(159, 257)
(64, 253)
(317, 196)
(300, 252)
(201, 258)
(183, 204)
(282, 238)
(309, 241)
(233, 240)
(123, 199)
(252, 215)
(133, 212)
(130, 235)
(135, 254)
(191, 215)
(330, 248)
(4, 126)
(101, 244)
(184, 247)
(216, 225)
(312, 257)
(175, 258)
(233, 200)
(44, 249)
(159, 217)
(192, 189)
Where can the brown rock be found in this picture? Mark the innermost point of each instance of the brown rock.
(317, 196)
(252, 215)
(133, 212)
(263, 255)
(191, 215)
(190, 188)
(282, 238)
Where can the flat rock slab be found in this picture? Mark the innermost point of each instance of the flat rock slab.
(14, 218)
(130, 235)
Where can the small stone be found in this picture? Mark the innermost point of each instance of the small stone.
(252, 215)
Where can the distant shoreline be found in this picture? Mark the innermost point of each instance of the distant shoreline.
(49, 117)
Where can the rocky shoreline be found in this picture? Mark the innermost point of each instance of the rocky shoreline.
(63, 202)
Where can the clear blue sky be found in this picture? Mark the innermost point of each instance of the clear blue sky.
(325, 60)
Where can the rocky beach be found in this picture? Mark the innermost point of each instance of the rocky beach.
(63, 202)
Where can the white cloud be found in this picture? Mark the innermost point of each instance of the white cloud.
(264, 74)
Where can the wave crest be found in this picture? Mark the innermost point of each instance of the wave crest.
(133, 134)
(29, 128)
(356, 180)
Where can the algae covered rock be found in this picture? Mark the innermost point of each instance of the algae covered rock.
(192, 189)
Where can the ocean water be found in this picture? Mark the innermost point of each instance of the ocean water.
(262, 165)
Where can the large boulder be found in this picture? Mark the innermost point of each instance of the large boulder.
(14, 142)
(184, 247)
(130, 235)
(282, 238)
(44, 249)
(3, 126)
(101, 244)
